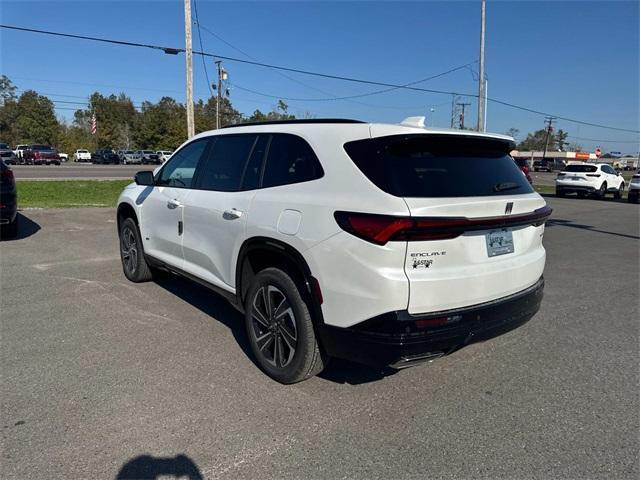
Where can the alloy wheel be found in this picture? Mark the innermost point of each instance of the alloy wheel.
(274, 326)
(129, 248)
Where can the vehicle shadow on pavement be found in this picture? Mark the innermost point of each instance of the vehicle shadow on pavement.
(209, 303)
(588, 198)
(217, 307)
(554, 222)
(26, 228)
(343, 371)
(148, 467)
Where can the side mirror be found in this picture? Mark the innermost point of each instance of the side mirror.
(144, 178)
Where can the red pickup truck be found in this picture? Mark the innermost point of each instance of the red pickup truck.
(41, 155)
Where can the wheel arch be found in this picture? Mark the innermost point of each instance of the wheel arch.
(126, 210)
(258, 253)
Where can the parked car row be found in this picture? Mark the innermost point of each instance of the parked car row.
(125, 157)
(36, 154)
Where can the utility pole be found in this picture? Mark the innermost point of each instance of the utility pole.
(463, 105)
(454, 109)
(191, 131)
(219, 93)
(549, 121)
(481, 84)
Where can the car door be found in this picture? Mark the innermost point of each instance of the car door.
(215, 214)
(163, 205)
(614, 178)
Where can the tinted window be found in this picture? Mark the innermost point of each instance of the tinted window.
(580, 168)
(225, 164)
(179, 172)
(439, 166)
(609, 169)
(290, 160)
(251, 176)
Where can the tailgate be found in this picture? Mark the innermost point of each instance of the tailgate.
(484, 263)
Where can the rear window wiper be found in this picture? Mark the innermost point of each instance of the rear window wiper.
(501, 187)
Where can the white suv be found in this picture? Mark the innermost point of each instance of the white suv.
(589, 179)
(383, 244)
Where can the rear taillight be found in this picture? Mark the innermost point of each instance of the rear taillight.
(380, 229)
(593, 174)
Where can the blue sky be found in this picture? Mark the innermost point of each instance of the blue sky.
(574, 59)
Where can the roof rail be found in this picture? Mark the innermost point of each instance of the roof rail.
(294, 122)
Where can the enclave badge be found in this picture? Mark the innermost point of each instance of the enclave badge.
(508, 208)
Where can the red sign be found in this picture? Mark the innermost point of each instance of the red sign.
(598, 152)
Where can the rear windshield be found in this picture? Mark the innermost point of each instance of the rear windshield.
(439, 166)
(580, 168)
(41, 147)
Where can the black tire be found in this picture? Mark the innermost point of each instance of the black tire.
(603, 191)
(289, 352)
(134, 265)
(10, 230)
(632, 198)
(618, 194)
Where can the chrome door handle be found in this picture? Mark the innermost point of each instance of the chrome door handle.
(172, 204)
(232, 214)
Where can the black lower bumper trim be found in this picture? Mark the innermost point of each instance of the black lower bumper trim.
(402, 341)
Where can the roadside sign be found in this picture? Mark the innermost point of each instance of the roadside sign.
(582, 155)
(598, 152)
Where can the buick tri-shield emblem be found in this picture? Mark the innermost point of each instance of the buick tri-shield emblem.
(508, 208)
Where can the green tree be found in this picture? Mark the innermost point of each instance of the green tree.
(513, 132)
(561, 139)
(280, 111)
(161, 125)
(36, 121)
(115, 114)
(537, 140)
(7, 90)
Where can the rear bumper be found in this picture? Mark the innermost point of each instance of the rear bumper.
(574, 187)
(399, 340)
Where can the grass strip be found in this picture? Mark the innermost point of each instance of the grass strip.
(69, 193)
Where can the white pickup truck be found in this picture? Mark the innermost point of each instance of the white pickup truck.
(82, 155)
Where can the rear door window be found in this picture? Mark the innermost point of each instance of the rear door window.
(225, 163)
(439, 165)
(290, 160)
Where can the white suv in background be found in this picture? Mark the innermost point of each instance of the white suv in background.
(589, 179)
(383, 244)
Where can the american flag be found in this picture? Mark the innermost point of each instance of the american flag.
(94, 124)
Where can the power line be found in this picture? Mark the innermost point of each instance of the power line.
(174, 51)
(349, 97)
(603, 141)
(204, 64)
(333, 96)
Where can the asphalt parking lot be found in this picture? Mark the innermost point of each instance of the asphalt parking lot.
(102, 378)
